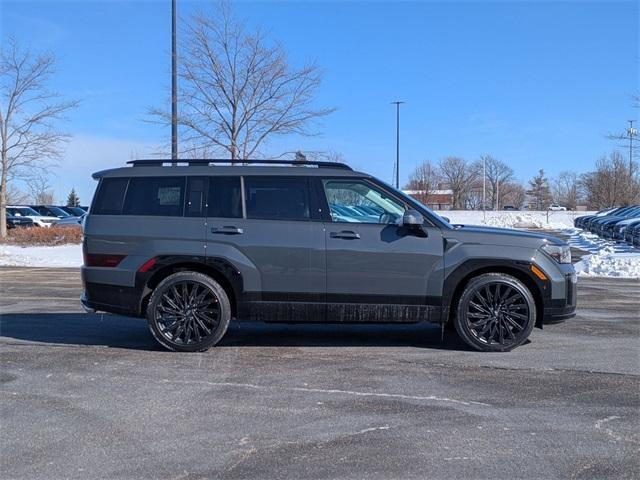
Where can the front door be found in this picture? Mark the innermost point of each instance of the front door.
(376, 269)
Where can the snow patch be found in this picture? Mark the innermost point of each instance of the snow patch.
(517, 219)
(59, 256)
(609, 263)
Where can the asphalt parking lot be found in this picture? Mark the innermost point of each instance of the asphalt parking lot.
(93, 396)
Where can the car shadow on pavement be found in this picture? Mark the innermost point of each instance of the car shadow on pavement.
(132, 333)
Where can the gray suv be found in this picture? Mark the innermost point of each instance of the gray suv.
(194, 244)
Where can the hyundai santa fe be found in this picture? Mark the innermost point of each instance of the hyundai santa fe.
(193, 245)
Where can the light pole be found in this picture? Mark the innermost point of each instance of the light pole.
(174, 86)
(397, 104)
(484, 189)
(632, 132)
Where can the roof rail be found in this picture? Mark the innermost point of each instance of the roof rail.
(215, 161)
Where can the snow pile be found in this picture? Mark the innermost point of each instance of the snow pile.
(610, 263)
(59, 256)
(514, 219)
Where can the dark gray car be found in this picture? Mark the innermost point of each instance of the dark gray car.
(194, 245)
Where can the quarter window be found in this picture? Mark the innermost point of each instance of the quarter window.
(156, 196)
(110, 196)
(357, 201)
(276, 198)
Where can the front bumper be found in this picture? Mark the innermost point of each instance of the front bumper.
(561, 309)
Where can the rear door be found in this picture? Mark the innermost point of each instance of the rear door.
(377, 270)
(273, 235)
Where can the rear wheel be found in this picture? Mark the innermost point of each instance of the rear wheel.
(188, 312)
(495, 313)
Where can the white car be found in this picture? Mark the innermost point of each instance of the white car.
(557, 208)
(38, 220)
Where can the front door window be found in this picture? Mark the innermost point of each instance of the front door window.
(358, 201)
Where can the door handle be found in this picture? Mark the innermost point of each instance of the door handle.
(227, 230)
(346, 234)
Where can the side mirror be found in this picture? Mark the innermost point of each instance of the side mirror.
(446, 219)
(412, 218)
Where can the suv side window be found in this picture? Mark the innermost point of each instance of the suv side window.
(157, 196)
(277, 198)
(358, 201)
(110, 196)
(225, 197)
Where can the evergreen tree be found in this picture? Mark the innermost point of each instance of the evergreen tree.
(539, 191)
(73, 200)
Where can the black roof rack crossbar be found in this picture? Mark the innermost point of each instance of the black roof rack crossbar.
(214, 161)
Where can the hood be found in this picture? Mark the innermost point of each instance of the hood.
(501, 236)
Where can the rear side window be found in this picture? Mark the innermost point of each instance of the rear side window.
(156, 196)
(225, 197)
(110, 196)
(274, 198)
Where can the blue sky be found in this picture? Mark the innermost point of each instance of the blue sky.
(536, 84)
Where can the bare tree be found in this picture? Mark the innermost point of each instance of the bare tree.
(498, 175)
(611, 185)
(15, 196)
(459, 175)
(28, 114)
(512, 193)
(238, 89)
(567, 189)
(40, 190)
(424, 180)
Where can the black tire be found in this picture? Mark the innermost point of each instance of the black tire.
(495, 313)
(188, 312)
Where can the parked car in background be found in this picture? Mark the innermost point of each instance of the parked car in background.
(616, 231)
(38, 220)
(630, 230)
(510, 207)
(604, 225)
(50, 211)
(73, 211)
(557, 208)
(18, 222)
(71, 221)
(581, 221)
(635, 239)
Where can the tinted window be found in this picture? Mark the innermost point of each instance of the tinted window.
(157, 196)
(225, 198)
(110, 196)
(195, 196)
(277, 198)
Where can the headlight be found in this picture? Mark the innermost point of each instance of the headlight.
(561, 254)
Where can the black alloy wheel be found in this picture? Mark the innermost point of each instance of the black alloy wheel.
(188, 312)
(496, 312)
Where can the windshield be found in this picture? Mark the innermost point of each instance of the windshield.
(22, 211)
(58, 212)
(77, 211)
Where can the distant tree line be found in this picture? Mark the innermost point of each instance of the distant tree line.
(614, 182)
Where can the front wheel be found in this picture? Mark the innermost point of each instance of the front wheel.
(188, 312)
(495, 313)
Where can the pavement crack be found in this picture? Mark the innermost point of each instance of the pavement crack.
(325, 391)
